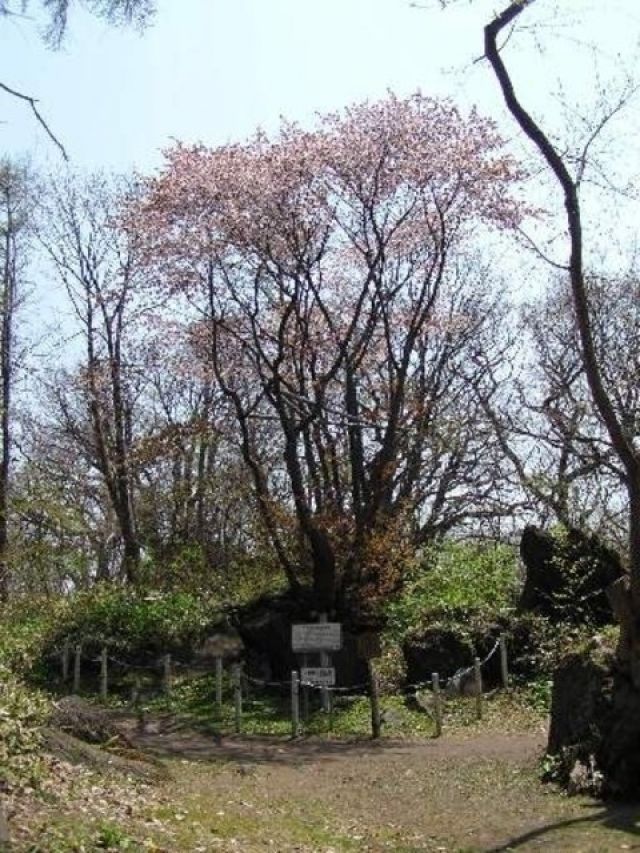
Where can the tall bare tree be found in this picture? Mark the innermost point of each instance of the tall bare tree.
(622, 434)
(95, 261)
(14, 220)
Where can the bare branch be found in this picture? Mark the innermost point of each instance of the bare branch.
(32, 103)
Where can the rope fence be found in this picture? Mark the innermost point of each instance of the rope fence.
(464, 682)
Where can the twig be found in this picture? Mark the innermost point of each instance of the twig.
(32, 103)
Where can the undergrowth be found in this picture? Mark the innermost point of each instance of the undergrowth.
(267, 711)
(455, 578)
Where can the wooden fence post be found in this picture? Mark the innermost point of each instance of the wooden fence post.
(166, 675)
(104, 677)
(325, 661)
(374, 695)
(219, 682)
(76, 668)
(504, 667)
(244, 678)
(136, 701)
(5, 838)
(437, 702)
(478, 687)
(295, 704)
(237, 690)
(305, 691)
(65, 661)
(135, 691)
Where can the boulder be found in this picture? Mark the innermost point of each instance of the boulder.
(594, 736)
(227, 645)
(264, 626)
(443, 650)
(449, 647)
(566, 577)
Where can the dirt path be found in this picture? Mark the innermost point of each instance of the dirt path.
(479, 793)
(193, 745)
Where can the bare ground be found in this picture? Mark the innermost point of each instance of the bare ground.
(477, 793)
(473, 792)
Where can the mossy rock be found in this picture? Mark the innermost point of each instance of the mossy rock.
(594, 736)
(567, 576)
(453, 642)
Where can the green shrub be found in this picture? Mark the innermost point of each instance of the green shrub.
(137, 624)
(22, 712)
(188, 569)
(26, 626)
(452, 581)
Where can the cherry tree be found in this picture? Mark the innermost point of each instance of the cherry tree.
(337, 298)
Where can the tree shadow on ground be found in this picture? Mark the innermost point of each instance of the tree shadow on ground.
(168, 736)
(624, 817)
(259, 749)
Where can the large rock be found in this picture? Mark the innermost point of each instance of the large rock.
(449, 647)
(264, 627)
(594, 735)
(566, 578)
(443, 650)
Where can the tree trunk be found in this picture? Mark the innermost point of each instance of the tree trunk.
(6, 377)
(610, 742)
(4, 829)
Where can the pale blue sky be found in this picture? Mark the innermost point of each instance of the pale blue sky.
(213, 70)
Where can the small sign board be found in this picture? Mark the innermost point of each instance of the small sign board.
(316, 637)
(324, 676)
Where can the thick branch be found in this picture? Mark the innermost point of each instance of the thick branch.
(554, 160)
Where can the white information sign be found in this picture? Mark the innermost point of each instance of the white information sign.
(324, 676)
(316, 637)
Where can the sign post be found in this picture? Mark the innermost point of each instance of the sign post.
(322, 637)
(325, 661)
(319, 676)
(316, 637)
(368, 645)
(295, 704)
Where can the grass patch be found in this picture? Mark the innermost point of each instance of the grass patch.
(268, 712)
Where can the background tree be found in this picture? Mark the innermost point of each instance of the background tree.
(195, 514)
(136, 12)
(585, 481)
(96, 263)
(16, 202)
(544, 420)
